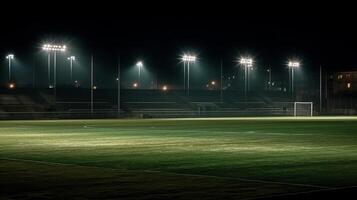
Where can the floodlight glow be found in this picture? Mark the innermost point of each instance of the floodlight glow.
(293, 64)
(73, 58)
(164, 88)
(188, 58)
(10, 56)
(246, 62)
(139, 64)
(51, 47)
(12, 85)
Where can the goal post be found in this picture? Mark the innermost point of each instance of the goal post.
(303, 109)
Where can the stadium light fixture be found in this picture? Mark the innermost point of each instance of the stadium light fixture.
(139, 64)
(10, 57)
(71, 59)
(54, 48)
(188, 58)
(293, 64)
(246, 62)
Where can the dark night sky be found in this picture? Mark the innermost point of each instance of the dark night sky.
(318, 35)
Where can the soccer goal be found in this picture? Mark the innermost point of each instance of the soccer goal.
(303, 109)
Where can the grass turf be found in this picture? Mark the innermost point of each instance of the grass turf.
(201, 158)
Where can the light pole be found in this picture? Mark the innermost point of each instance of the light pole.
(186, 58)
(221, 84)
(71, 59)
(118, 79)
(49, 69)
(269, 78)
(247, 63)
(293, 65)
(184, 76)
(139, 64)
(9, 58)
(54, 49)
(92, 87)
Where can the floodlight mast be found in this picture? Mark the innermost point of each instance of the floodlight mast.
(54, 49)
(292, 65)
(9, 58)
(269, 79)
(91, 84)
(49, 69)
(247, 63)
(187, 58)
(140, 65)
(71, 59)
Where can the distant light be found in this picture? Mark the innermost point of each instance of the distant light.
(117, 79)
(50, 86)
(10, 56)
(51, 47)
(164, 88)
(348, 85)
(94, 87)
(188, 58)
(293, 64)
(73, 58)
(213, 82)
(135, 85)
(12, 85)
(139, 64)
(248, 62)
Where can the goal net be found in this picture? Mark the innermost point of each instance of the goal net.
(303, 109)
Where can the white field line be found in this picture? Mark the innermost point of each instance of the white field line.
(173, 173)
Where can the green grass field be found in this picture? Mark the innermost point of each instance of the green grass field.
(243, 158)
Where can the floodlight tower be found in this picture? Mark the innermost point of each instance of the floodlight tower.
(247, 63)
(187, 58)
(293, 65)
(49, 69)
(10, 57)
(71, 59)
(54, 48)
(269, 79)
(139, 65)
